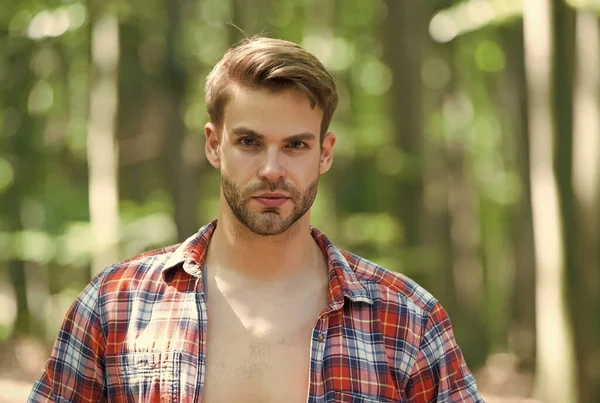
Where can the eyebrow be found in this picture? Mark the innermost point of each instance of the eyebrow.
(244, 131)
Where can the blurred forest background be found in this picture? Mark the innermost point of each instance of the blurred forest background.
(468, 158)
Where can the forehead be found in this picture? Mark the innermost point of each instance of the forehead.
(283, 112)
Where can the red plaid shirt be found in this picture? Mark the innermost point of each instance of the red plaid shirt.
(137, 333)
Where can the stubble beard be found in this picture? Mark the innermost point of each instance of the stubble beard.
(268, 221)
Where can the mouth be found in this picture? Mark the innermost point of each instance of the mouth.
(271, 199)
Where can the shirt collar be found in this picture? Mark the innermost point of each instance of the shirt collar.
(343, 282)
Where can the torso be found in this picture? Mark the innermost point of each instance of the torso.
(258, 345)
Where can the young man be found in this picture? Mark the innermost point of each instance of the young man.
(258, 306)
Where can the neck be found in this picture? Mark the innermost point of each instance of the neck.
(237, 250)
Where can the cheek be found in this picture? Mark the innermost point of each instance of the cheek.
(304, 171)
(236, 163)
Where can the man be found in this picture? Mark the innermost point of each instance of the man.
(258, 306)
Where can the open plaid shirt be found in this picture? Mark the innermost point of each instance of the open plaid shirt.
(137, 333)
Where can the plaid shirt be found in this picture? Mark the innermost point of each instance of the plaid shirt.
(137, 333)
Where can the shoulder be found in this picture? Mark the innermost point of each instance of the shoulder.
(408, 316)
(140, 271)
(392, 290)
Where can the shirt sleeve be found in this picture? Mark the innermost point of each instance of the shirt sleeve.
(440, 373)
(75, 371)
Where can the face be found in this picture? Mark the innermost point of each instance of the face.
(270, 157)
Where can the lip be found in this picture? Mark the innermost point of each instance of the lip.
(272, 195)
(271, 199)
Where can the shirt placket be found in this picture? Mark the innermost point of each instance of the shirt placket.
(202, 333)
(317, 352)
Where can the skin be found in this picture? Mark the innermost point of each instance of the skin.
(267, 142)
(267, 279)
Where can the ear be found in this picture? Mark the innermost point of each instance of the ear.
(212, 146)
(327, 152)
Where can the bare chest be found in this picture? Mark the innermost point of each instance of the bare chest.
(259, 351)
(246, 369)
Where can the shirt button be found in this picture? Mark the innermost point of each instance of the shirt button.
(320, 338)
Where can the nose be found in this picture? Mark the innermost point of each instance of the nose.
(272, 168)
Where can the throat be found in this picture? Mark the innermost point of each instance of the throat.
(265, 264)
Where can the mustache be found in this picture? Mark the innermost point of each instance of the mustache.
(267, 186)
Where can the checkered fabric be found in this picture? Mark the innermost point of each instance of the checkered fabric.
(137, 333)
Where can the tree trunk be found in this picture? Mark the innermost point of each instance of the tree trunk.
(556, 375)
(585, 285)
(467, 266)
(467, 269)
(183, 176)
(521, 333)
(102, 147)
(404, 36)
(23, 152)
(437, 221)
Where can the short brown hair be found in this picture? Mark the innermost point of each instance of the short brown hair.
(275, 65)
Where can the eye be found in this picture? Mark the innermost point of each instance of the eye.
(247, 141)
(297, 144)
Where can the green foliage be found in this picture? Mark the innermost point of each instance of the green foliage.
(462, 163)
